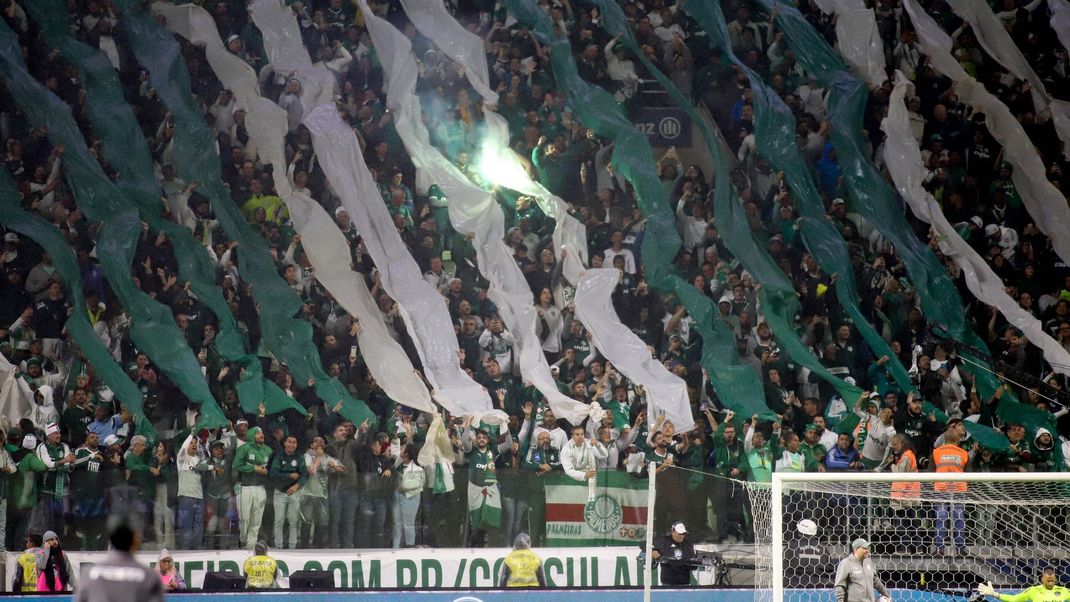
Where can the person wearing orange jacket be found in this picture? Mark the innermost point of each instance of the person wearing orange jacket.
(951, 458)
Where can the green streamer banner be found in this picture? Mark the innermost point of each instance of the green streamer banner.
(287, 338)
(49, 238)
(871, 195)
(152, 328)
(775, 129)
(736, 382)
(779, 301)
(128, 153)
(986, 436)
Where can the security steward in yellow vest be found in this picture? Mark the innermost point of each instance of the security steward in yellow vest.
(26, 566)
(260, 570)
(522, 567)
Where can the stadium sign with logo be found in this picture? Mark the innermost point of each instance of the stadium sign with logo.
(419, 568)
(664, 126)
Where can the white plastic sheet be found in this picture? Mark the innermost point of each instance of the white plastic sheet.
(666, 392)
(1044, 202)
(473, 212)
(903, 158)
(857, 38)
(433, 21)
(422, 308)
(323, 242)
(997, 42)
(1060, 20)
(466, 49)
(15, 395)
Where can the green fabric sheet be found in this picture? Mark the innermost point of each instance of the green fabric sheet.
(871, 196)
(775, 132)
(736, 382)
(152, 328)
(89, 344)
(287, 338)
(128, 153)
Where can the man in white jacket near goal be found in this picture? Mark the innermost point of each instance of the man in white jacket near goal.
(579, 457)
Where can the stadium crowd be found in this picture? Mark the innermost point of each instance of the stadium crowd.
(326, 482)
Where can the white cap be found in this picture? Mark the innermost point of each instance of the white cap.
(50, 428)
(11, 237)
(679, 528)
(29, 442)
(111, 440)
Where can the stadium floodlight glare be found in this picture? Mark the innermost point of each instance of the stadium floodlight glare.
(930, 533)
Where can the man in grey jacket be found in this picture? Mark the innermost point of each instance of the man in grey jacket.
(856, 576)
(120, 577)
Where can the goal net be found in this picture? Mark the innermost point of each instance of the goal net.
(932, 536)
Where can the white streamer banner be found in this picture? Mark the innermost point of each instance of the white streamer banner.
(666, 392)
(422, 308)
(433, 21)
(997, 42)
(1043, 200)
(857, 39)
(1060, 20)
(903, 158)
(322, 240)
(473, 212)
(466, 49)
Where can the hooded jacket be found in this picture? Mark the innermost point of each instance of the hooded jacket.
(44, 412)
(1043, 457)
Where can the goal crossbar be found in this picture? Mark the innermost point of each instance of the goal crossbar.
(784, 481)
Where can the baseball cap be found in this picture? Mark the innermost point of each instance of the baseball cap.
(111, 440)
(679, 528)
(859, 543)
(838, 202)
(11, 237)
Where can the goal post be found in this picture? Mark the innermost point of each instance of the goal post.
(933, 535)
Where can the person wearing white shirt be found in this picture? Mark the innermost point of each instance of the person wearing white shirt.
(437, 277)
(497, 343)
(907, 54)
(1006, 238)
(876, 450)
(824, 436)
(290, 101)
(580, 454)
(667, 29)
(558, 437)
(618, 68)
(614, 442)
(617, 248)
(222, 110)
